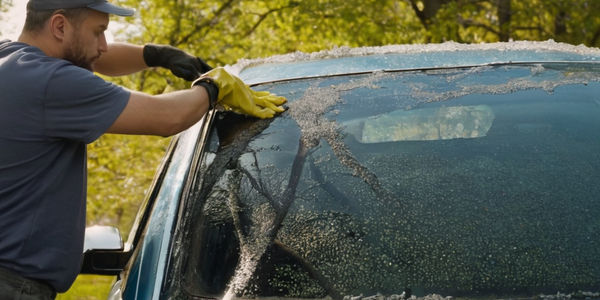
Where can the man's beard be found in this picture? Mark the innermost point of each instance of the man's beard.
(76, 55)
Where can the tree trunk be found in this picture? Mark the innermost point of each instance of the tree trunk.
(428, 10)
(560, 27)
(504, 13)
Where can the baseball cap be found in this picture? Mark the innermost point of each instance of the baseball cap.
(99, 5)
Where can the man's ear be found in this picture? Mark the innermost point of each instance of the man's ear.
(58, 23)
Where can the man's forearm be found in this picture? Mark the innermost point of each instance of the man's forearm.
(164, 115)
(121, 59)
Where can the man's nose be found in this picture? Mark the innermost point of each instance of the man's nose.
(102, 45)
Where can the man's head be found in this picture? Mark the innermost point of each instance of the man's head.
(70, 29)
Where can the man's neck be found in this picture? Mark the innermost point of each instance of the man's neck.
(38, 40)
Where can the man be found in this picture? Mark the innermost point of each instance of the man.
(52, 105)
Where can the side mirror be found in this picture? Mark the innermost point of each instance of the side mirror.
(102, 238)
(103, 251)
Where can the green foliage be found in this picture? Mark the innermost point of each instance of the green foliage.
(475, 21)
(121, 169)
(5, 5)
(224, 31)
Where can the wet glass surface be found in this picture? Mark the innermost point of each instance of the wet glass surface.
(467, 182)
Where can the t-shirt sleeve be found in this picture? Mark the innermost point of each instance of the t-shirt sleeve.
(80, 105)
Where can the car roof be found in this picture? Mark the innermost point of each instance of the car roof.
(345, 60)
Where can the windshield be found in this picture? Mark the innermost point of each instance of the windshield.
(476, 182)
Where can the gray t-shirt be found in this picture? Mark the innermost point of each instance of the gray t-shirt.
(49, 110)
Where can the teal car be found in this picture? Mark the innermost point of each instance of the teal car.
(397, 172)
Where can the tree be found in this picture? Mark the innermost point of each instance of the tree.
(427, 10)
(475, 21)
(224, 31)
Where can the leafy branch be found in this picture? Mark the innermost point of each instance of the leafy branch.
(202, 26)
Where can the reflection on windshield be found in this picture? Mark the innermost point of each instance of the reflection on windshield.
(365, 188)
(428, 124)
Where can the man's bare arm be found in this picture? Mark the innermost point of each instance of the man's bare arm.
(124, 59)
(121, 59)
(163, 115)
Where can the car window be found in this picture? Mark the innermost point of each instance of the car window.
(465, 182)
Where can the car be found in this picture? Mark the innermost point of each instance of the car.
(396, 172)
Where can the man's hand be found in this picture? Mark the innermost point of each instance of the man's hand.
(236, 96)
(180, 63)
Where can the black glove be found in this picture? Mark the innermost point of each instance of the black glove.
(211, 89)
(180, 63)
